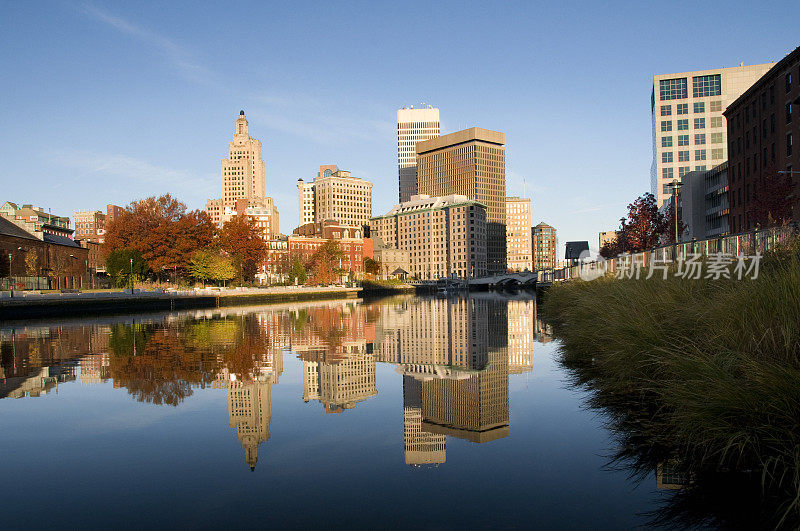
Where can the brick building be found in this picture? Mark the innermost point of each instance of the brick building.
(763, 125)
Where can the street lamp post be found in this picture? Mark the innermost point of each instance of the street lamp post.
(131, 276)
(10, 277)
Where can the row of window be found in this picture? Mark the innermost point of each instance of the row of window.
(699, 107)
(684, 156)
(699, 123)
(677, 88)
(700, 138)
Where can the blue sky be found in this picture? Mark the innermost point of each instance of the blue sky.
(108, 102)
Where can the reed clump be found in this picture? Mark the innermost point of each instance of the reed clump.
(712, 367)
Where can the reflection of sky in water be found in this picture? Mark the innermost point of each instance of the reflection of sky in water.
(93, 454)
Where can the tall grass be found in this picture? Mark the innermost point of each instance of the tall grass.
(708, 370)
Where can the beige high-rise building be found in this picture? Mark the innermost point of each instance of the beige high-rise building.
(413, 125)
(521, 335)
(519, 251)
(335, 195)
(445, 236)
(471, 162)
(545, 242)
(689, 129)
(421, 447)
(340, 385)
(242, 178)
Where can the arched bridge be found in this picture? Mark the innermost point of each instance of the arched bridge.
(507, 280)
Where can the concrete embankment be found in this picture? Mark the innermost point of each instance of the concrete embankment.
(32, 305)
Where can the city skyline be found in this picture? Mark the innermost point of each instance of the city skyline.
(144, 103)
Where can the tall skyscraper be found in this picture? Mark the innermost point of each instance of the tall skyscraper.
(421, 447)
(471, 162)
(544, 246)
(518, 234)
(335, 195)
(242, 178)
(689, 130)
(413, 125)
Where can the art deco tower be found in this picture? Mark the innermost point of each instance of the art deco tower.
(243, 186)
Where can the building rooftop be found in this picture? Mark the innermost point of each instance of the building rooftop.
(461, 137)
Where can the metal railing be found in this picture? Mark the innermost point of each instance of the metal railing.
(746, 243)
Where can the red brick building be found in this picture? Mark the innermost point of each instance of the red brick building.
(763, 126)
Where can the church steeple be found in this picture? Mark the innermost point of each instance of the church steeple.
(241, 125)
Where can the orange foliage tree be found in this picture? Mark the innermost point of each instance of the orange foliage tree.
(325, 264)
(241, 238)
(163, 232)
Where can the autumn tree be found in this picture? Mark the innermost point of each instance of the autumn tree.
(325, 263)
(161, 230)
(372, 267)
(201, 265)
(241, 239)
(772, 199)
(668, 233)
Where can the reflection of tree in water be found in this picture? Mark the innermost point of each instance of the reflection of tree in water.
(160, 364)
(697, 496)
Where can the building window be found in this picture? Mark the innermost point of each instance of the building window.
(789, 145)
(683, 125)
(666, 110)
(666, 141)
(683, 170)
(716, 121)
(683, 140)
(682, 108)
(666, 189)
(699, 123)
(771, 94)
(683, 156)
(699, 154)
(666, 157)
(699, 168)
(716, 138)
(772, 123)
(666, 126)
(716, 153)
(715, 106)
(788, 81)
(700, 139)
(699, 106)
(788, 112)
(667, 173)
(673, 89)
(706, 85)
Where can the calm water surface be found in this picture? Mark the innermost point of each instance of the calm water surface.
(409, 411)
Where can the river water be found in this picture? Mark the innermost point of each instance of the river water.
(436, 412)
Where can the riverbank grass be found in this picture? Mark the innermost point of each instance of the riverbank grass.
(719, 360)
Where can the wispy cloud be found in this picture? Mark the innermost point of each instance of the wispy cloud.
(180, 57)
(112, 169)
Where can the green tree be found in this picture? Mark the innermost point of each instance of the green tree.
(297, 272)
(201, 265)
(118, 266)
(223, 268)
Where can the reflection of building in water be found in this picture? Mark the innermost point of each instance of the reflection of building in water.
(520, 335)
(94, 368)
(421, 447)
(436, 338)
(669, 478)
(250, 402)
(475, 409)
(544, 331)
(339, 384)
(38, 383)
(333, 331)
